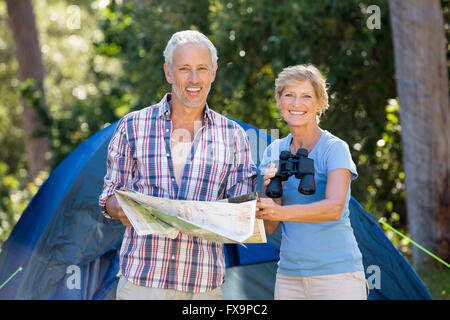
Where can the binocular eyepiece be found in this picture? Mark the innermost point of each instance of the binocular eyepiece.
(293, 164)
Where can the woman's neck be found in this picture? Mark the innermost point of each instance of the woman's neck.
(304, 137)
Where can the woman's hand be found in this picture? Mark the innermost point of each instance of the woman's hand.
(267, 209)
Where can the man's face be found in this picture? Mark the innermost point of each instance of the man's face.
(191, 75)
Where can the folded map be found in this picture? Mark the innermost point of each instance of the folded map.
(229, 220)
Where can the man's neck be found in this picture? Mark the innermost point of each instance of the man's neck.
(186, 118)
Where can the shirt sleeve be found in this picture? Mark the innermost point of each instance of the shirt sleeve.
(242, 179)
(339, 157)
(119, 165)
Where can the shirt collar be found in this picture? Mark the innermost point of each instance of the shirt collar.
(164, 110)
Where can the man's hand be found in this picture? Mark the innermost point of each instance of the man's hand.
(269, 173)
(115, 211)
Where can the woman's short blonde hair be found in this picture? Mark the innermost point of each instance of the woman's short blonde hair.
(304, 72)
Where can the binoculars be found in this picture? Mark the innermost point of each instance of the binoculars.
(293, 164)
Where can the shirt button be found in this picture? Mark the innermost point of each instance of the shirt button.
(173, 257)
(173, 179)
(167, 130)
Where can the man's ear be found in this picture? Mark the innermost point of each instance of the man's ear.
(214, 73)
(168, 74)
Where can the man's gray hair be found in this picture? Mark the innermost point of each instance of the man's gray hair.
(188, 36)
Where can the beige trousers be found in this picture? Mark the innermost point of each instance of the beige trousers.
(126, 290)
(341, 286)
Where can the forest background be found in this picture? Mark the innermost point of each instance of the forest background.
(103, 59)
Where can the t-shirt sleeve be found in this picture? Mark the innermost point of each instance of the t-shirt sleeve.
(339, 157)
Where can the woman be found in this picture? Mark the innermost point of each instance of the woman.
(319, 256)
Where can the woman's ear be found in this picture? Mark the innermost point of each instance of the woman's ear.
(322, 106)
(319, 109)
(277, 100)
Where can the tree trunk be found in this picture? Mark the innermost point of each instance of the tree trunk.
(422, 83)
(28, 53)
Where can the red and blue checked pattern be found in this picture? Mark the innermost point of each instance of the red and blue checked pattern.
(219, 166)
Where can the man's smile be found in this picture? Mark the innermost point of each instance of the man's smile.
(193, 90)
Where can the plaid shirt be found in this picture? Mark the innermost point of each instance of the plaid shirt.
(219, 166)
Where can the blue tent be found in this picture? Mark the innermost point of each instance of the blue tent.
(67, 250)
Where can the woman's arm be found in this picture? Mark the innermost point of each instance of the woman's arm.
(269, 226)
(329, 209)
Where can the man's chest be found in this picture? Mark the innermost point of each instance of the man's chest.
(181, 168)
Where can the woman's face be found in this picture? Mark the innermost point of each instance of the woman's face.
(298, 104)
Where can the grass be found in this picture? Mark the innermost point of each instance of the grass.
(436, 279)
(437, 282)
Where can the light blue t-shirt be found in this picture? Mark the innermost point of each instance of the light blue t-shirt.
(312, 249)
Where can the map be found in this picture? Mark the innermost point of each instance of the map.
(225, 221)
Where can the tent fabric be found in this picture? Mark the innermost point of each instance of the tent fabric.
(397, 279)
(61, 227)
(68, 250)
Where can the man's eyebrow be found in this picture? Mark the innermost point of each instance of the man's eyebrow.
(188, 65)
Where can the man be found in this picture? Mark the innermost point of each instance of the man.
(177, 149)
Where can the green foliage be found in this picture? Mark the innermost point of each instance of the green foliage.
(71, 89)
(65, 53)
(15, 193)
(112, 65)
(12, 197)
(136, 33)
(255, 41)
(11, 133)
(387, 187)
